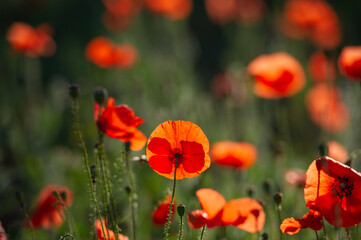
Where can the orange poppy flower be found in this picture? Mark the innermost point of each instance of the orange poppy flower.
(312, 219)
(175, 9)
(2, 233)
(110, 234)
(327, 109)
(244, 213)
(197, 218)
(276, 75)
(160, 214)
(337, 151)
(335, 189)
(315, 20)
(320, 68)
(249, 11)
(221, 11)
(33, 42)
(349, 62)
(181, 139)
(49, 212)
(120, 122)
(124, 8)
(241, 155)
(295, 177)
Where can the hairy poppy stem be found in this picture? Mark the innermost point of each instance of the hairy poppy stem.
(324, 229)
(67, 216)
(132, 195)
(86, 161)
(19, 197)
(316, 235)
(171, 201)
(66, 236)
(348, 233)
(181, 229)
(202, 233)
(107, 186)
(223, 233)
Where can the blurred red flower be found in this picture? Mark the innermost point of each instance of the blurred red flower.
(175, 9)
(349, 62)
(181, 139)
(244, 213)
(315, 20)
(276, 75)
(320, 68)
(2, 233)
(197, 218)
(32, 42)
(337, 151)
(242, 11)
(110, 234)
(160, 214)
(49, 212)
(105, 53)
(120, 122)
(312, 219)
(326, 108)
(120, 13)
(334, 189)
(295, 177)
(241, 155)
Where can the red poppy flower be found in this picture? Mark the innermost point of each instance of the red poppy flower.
(181, 139)
(49, 212)
(175, 9)
(2, 233)
(320, 68)
(160, 214)
(242, 11)
(335, 189)
(240, 155)
(105, 53)
(295, 177)
(110, 234)
(337, 151)
(276, 75)
(127, 55)
(244, 213)
(327, 109)
(33, 42)
(197, 218)
(349, 62)
(124, 8)
(120, 122)
(312, 219)
(315, 20)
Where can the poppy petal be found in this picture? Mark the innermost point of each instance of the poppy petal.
(161, 164)
(192, 156)
(212, 202)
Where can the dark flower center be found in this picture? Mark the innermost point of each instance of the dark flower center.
(342, 187)
(176, 153)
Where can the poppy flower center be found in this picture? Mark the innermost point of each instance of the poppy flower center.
(342, 187)
(176, 154)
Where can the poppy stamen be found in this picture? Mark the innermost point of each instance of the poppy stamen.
(342, 187)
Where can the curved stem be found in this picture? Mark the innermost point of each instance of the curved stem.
(66, 236)
(86, 160)
(202, 233)
(171, 201)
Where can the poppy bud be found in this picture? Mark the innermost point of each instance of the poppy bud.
(250, 191)
(267, 186)
(277, 198)
(100, 95)
(93, 173)
(56, 194)
(323, 150)
(20, 198)
(180, 210)
(128, 189)
(264, 236)
(63, 195)
(74, 91)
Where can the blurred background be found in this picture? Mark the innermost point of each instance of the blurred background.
(179, 55)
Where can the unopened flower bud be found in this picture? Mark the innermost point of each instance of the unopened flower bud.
(100, 95)
(264, 236)
(267, 186)
(56, 194)
(63, 195)
(128, 189)
(93, 173)
(323, 150)
(74, 91)
(277, 198)
(181, 210)
(250, 191)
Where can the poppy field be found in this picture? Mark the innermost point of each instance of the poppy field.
(180, 119)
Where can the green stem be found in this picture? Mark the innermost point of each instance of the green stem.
(279, 218)
(202, 233)
(86, 161)
(223, 233)
(316, 235)
(324, 229)
(67, 235)
(181, 229)
(348, 233)
(107, 186)
(171, 201)
(132, 191)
